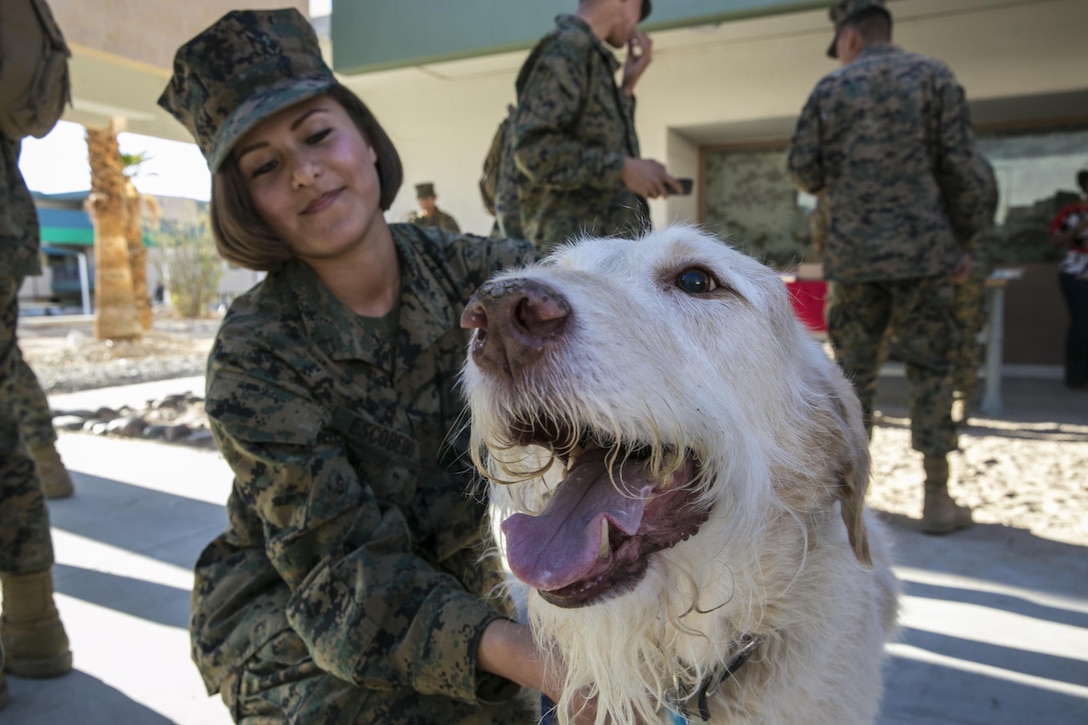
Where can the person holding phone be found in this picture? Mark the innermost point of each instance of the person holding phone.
(575, 150)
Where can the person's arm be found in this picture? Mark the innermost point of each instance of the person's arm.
(369, 610)
(507, 649)
(965, 178)
(639, 55)
(805, 160)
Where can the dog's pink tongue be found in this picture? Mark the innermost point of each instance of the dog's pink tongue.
(562, 544)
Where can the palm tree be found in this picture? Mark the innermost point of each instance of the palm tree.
(137, 253)
(116, 316)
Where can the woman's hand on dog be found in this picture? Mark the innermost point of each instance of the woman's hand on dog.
(507, 649)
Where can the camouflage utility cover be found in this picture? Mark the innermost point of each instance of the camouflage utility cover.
(242, 69)
(842, 11)
(351, 519)
(573, 130)
(888, 140)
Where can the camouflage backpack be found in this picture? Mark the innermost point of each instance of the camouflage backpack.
(34, 83)
(499, 183)
(489, 181)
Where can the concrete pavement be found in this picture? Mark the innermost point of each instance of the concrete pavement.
(995, 620)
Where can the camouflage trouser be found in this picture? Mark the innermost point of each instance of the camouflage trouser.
(1075, 292)
(971, 314)
(922, 313)
(25, 543)
(282, 684)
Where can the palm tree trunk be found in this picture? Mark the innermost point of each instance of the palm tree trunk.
(116, 316)
(137, 254)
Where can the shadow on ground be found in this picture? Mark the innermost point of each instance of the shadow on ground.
(75, 698)
(992, 576)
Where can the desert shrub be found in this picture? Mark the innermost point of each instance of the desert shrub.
(190, 267)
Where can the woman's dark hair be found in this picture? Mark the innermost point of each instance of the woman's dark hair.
(241, 235)
(1082, 180)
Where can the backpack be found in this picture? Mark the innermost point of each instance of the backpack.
(34, 82)
(499, 182)
(489, 181)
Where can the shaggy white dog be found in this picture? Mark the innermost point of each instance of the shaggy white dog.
(681, 474)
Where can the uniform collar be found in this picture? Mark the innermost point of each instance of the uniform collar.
(573, 21)
(879, 49)
(425, 312)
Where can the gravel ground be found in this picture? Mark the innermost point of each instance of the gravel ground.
(67, 357)
(1027, 468)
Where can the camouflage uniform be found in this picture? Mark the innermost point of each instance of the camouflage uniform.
(25, 543)
(32, 407)
(971, 312)
(349, 586)
(972, 309)
(439, 219)
(887, 141)
(573, 130)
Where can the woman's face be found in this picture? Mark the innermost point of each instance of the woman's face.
(312, 177)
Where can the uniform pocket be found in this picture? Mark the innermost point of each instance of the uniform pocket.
(386, 459)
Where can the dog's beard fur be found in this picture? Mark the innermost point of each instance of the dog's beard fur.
(730, 380)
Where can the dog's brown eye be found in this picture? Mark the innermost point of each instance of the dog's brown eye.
(696, 281)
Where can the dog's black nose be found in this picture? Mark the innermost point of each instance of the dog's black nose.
(515, 320)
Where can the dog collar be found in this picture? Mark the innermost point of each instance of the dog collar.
(679, 702)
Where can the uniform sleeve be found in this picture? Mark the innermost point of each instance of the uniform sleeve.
(805, 160)
(369, 610)
(469, 260)
(482, 257)
(966, 179)
(549, 106)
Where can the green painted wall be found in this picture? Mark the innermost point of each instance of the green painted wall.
(371, 35)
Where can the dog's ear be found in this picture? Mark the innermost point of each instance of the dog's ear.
(849, 450)
(852, 485)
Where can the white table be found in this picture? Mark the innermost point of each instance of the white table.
(995, 336)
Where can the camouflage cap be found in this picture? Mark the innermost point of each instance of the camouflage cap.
(842, 11)
(245, 67)
(425, 191)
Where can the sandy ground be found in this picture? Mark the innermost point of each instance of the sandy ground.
(1026, 468)
(1023, 474)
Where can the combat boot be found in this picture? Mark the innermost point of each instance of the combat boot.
(3, 685)
(56, 483)
(34, 641)
(940, 513)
